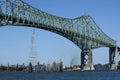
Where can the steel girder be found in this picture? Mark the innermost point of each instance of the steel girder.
(83, 31)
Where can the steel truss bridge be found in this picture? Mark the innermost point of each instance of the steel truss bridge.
(83, 31)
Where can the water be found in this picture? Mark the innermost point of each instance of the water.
(77, 75)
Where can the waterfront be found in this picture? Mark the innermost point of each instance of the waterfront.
(77, 75)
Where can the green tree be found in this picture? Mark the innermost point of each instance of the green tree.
(30, 67)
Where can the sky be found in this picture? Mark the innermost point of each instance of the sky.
(15, 41)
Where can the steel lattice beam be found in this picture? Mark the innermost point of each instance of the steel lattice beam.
(83, 30)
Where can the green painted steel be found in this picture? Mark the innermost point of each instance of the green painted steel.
(83, 31)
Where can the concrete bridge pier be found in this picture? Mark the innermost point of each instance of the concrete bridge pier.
(113, 57)
(86, 60)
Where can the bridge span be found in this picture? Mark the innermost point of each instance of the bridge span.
(82, 31)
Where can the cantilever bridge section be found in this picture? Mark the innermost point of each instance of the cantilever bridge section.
(83, 31)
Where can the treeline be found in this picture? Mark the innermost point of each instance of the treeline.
(55, 67)
(105, 66)
(101, 67)
(13, 67)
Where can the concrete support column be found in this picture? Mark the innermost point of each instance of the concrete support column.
(113, 60)
(86, 60)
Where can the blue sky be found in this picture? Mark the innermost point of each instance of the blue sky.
(15, 41)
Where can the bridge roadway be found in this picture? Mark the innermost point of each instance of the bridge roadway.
(83, 31)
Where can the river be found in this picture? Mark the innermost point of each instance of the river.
(76, 75)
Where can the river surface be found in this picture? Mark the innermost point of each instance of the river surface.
(77, 75)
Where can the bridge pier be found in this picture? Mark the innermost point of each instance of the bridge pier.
(86, 60)
(113, 57)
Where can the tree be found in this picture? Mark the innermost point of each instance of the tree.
(54, 67)
(38, 67)
(61, 66)
(30, 67)
(17, 67)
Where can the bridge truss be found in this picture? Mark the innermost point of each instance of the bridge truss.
(83, 31)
